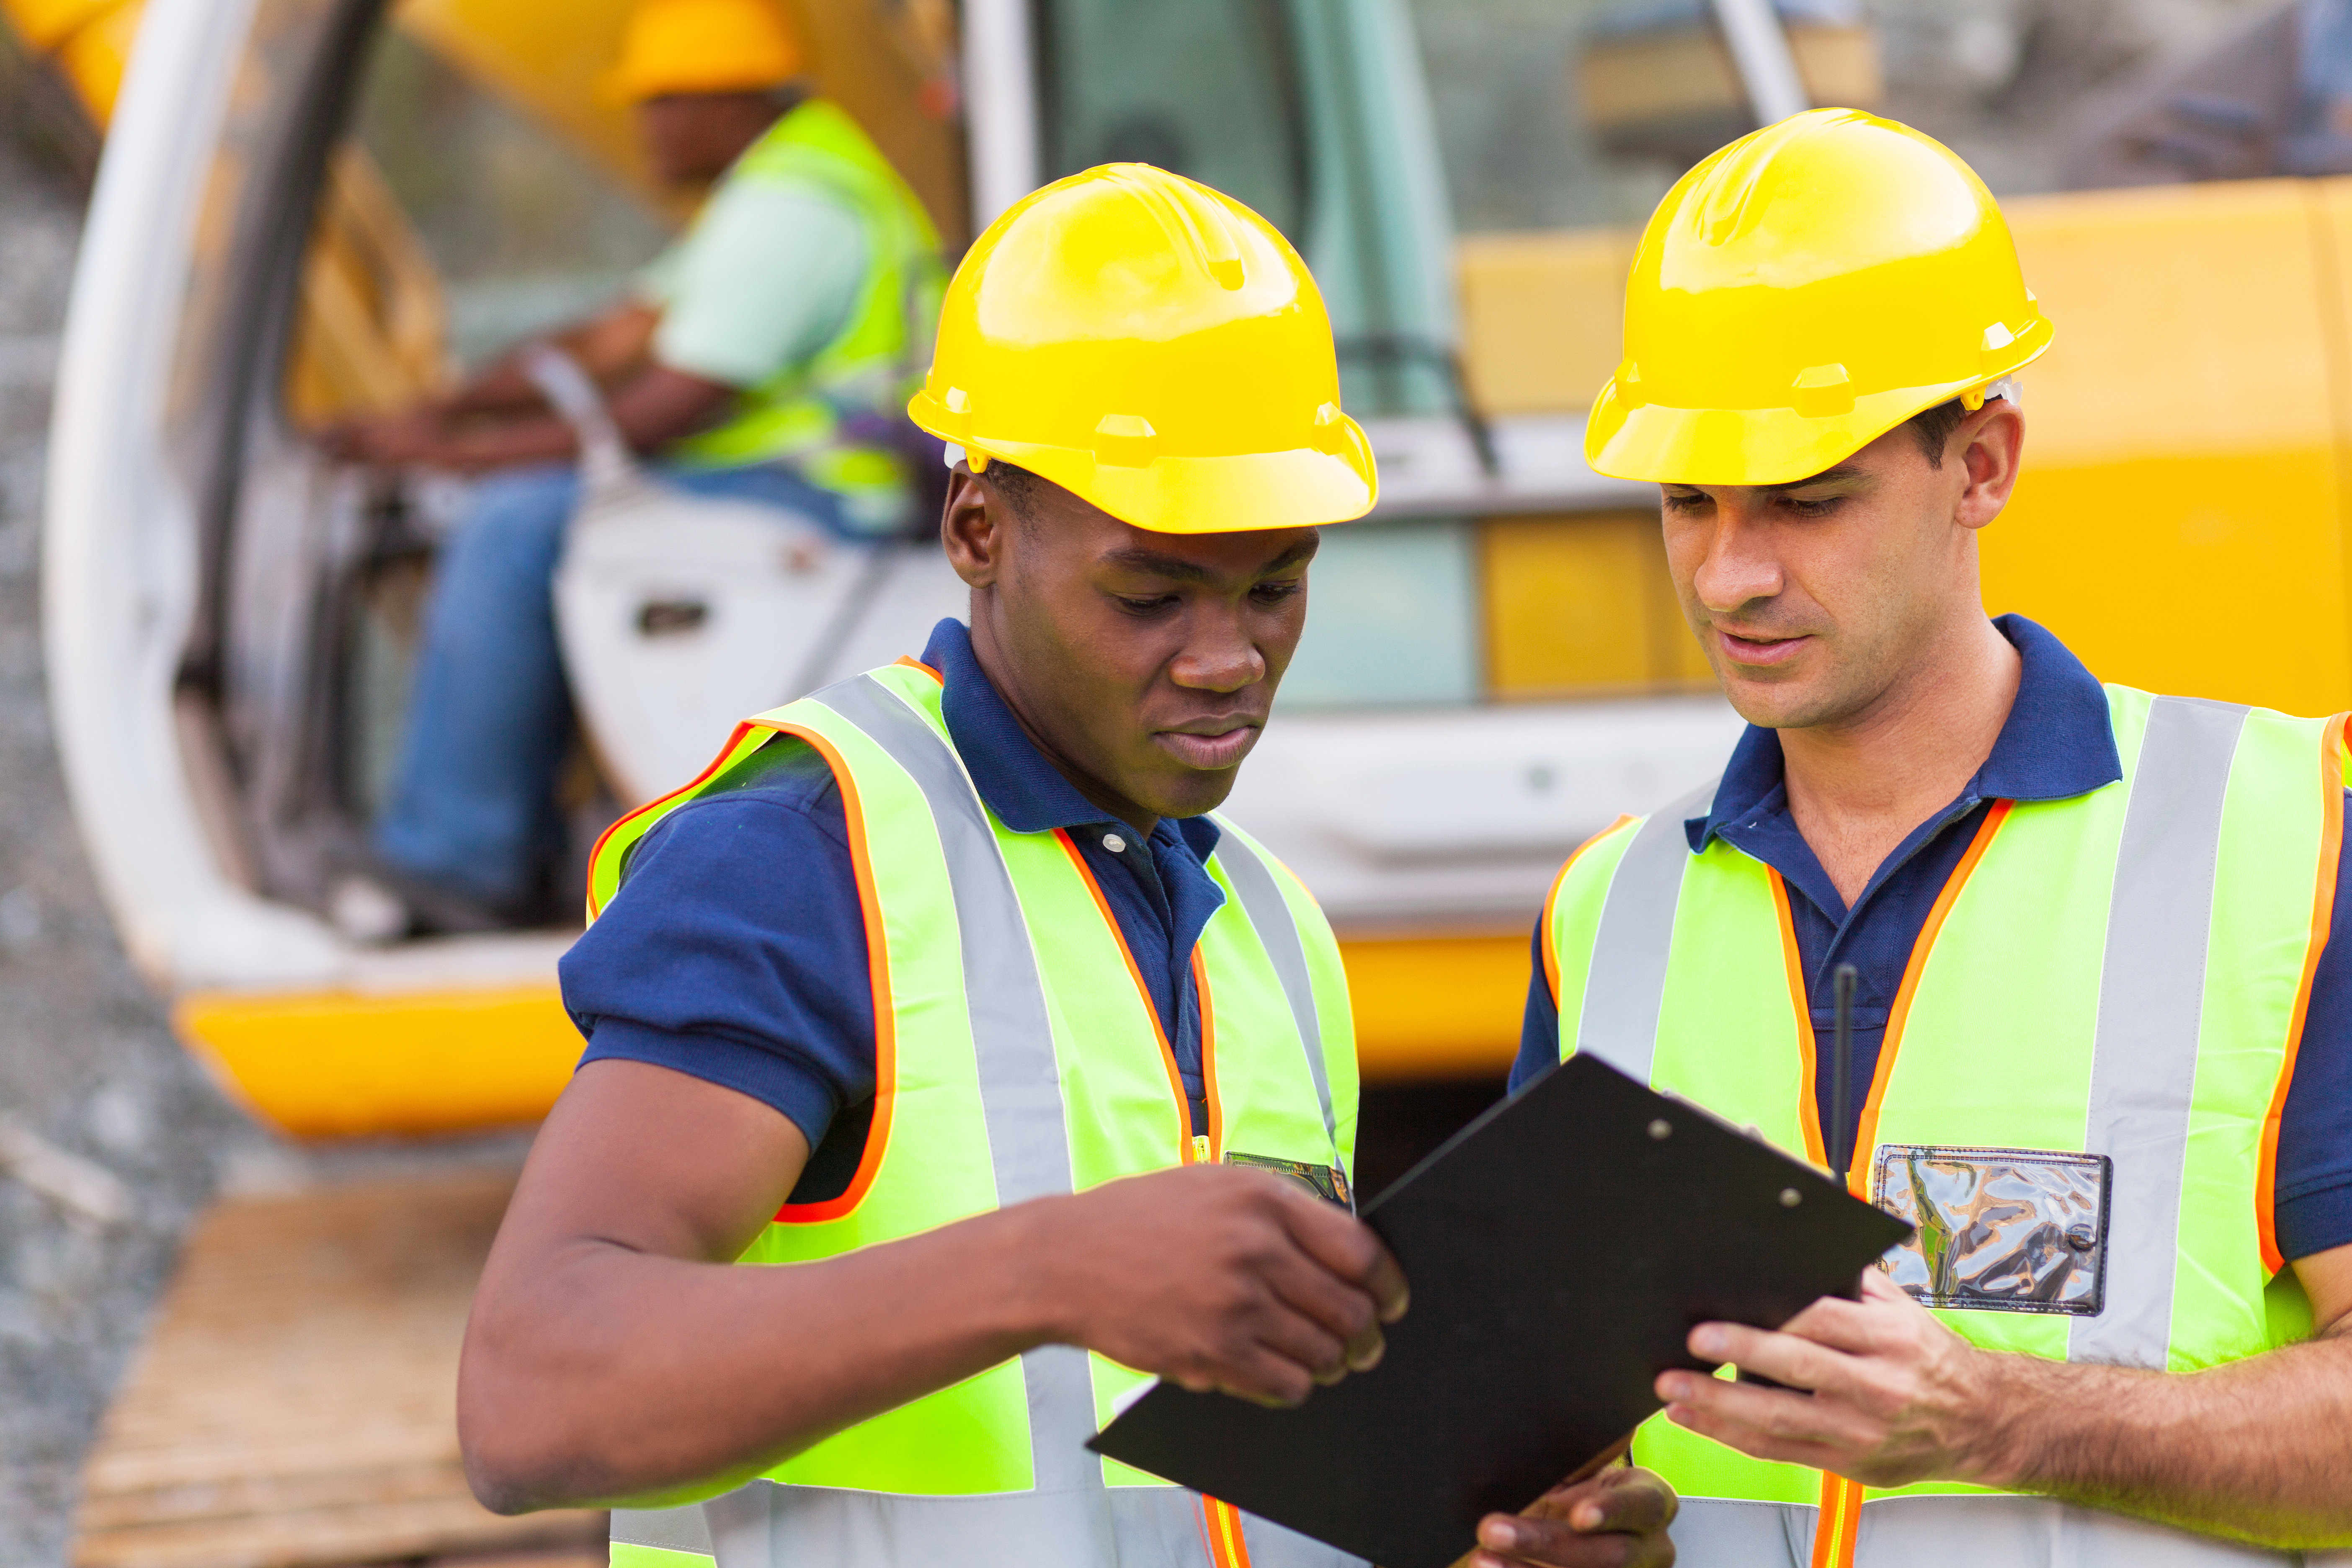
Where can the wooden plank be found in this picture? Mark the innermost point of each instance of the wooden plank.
(295, 1403)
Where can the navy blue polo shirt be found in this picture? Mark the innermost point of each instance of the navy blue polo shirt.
(2057, 743)
(735, 950)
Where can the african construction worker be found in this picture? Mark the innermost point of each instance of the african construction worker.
(950, 1070)
(765, 356)
(2100, 1037)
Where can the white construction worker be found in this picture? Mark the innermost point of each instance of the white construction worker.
(2102, 1039)
(763, 356)
(941, 991)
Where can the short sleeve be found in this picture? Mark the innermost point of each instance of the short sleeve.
(2314, 1175)
(735, 949)
(766, 277)
(656, 283)
(1540, 1025)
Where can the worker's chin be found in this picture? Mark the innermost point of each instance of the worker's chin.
(1782, 699)
(1178, 791)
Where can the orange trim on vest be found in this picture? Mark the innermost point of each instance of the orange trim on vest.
(1208, 1058)
(734, 739)
(878, 965)
(1839, 1523)
(2323, 914)
(1865, 1136)
(913, 663)
(1221, 1523)
(1143, 994)
(1550, 951)
(1809, 1109)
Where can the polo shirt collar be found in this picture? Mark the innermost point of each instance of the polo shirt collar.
(1026, 792)
(2057, 742)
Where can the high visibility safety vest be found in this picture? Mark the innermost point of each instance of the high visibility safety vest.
(1017, 1057)
(833, 416)
(2122, 973)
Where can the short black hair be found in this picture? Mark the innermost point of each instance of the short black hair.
(1934, 428)
(1016, 485)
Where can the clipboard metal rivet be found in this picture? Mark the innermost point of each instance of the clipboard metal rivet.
(1661, 1127)
(1790, 1197)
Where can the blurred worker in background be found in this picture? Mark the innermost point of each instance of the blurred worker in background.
(2103, 1035)
(900, 991)
(764, 355)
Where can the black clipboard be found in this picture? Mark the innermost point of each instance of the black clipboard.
(1560, 1249)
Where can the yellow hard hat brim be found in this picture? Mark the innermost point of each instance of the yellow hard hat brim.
(1308, 487)
(1649, 441)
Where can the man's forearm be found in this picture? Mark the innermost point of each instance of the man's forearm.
(616, 1374)
(2260, 1449)
(608, 347)
(533, 438)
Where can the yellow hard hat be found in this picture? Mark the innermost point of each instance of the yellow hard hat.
(1155, 347)
(1802, 292)
(704, 46)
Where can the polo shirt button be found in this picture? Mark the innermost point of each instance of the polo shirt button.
(1114, 843)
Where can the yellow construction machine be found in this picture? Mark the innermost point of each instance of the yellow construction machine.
(312, 206)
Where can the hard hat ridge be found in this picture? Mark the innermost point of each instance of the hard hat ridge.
(1800, 293)
(1155, 347)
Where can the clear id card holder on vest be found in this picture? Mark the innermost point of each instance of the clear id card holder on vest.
(1997, 1230)
(1326, 1182)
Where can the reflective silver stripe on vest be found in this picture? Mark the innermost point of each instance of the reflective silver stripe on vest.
(1972, 1531)
(767, 1526)
(1732, 1533)
(671, 1529)
(1626, 982)
(1012, 1035)
(1964, 1531)
(1278, 932)
(2151, 1000)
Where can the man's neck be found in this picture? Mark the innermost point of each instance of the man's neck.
(996, 668)
(1857, 788)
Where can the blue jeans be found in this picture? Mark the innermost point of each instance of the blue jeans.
(473, 800)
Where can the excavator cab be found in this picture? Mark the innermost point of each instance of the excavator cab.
(312, 209)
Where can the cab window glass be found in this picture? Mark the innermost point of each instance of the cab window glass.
(1390, 618)
(522, 231)
(1206, 87)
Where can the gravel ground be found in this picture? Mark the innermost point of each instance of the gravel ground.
(86, 1064)
(88, 1069)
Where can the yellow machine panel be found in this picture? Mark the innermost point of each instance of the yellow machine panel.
(2179, 523)
(342, 1064)
(1582, 606)
(1540, 316)
(1436, 1007)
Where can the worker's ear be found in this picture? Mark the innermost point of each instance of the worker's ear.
(974, 527)
(1990, 443)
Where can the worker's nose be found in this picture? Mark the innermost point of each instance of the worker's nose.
(1740, 566)
(1219, 657)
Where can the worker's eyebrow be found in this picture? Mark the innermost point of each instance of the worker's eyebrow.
(1140, 558)
(1830, 475)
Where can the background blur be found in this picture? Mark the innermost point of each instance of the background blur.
(92, 1086)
